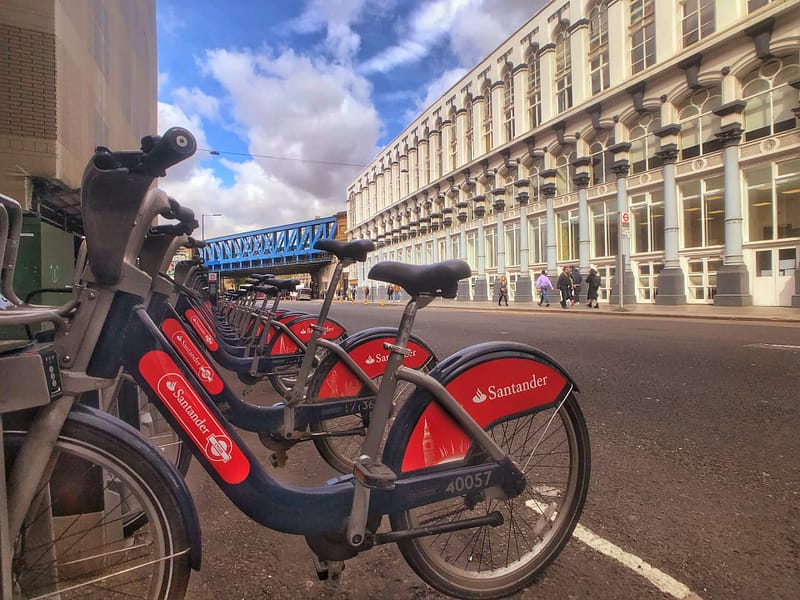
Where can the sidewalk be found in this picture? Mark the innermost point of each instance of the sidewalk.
(778, 314)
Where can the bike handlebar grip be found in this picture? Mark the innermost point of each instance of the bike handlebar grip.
(193, 243)
(162, 152)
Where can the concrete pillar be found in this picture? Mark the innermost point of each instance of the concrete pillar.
(618, 58)
(548, 190)
(478, 114)
(481, 289)
(579, 50)
(520, 76)
(464, 292)
(621, 169)
(444, 139)
(581, 182)
(547, 67)
(671, 280)
(498, 127)
(461, 137)
(423, 163)
(524, 287)
(733, 278)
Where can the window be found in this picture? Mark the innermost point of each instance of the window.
(487, 119)
(699, 123)
(753, 5)
(439, 154)
(703, 212)
(534, 90)
(567, 234)
(702, 278)
(770, 98)
(647, 280)
(511, 231)
(604, 228)
(490, 247)
(773, 200)
(698, 20)
(469, 131)
(428, 252)
(508, 105)
(643, 35)
(643, 143)
(647, 216)
(472, 249)
(563, 70)
(600, 167)
(455, 247)
(442, 249)
(598, 46)
(453, 141)
(564, 173)
(537, 238)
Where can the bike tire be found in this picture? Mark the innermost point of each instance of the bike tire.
(73, 542)
(341, 452)
(474, 571)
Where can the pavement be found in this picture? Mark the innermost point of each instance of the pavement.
(777, 314)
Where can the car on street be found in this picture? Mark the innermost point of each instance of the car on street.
(304, 293)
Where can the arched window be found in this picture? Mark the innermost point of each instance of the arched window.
(643, 35)
(564, 172)
(698, 20)
(534, 90)
(508, 104)
(469, 131)
(699, 123)
(600, 167)
(770, 98)
(487, 118)
(563, 69)
(452, 140)
(643, 143)
(598, 46)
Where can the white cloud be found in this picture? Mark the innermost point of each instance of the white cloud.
(197, 102)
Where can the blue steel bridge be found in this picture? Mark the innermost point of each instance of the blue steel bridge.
(282, 249)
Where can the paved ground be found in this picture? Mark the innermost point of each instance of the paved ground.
(695, 489)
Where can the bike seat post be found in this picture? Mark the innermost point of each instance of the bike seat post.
(370, 472)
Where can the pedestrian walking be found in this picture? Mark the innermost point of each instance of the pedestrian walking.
(503, 291)
(397, 293)
(577, 279)
(564, 285)
(543, 284)
(366, 293)
(593, 281)
(389, 293)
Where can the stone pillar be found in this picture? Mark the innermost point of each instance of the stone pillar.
(581, 182)
(464, 286)
(579, 49)
(498, 128)
(478, 114)
(461, 137)
(524, 285)
(618, 58)
(548, 190)
(520, 75)
(423, 163)
(671, 280)
(547, 69)
(481, 289)
(733, 278)
(620, 169)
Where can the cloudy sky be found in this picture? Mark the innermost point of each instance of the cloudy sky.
(297, 96)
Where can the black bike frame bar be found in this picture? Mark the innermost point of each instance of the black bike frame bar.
(174, 390)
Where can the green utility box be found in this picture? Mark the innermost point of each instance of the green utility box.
(46, 259)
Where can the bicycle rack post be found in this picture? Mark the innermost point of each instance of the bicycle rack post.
(5, 543)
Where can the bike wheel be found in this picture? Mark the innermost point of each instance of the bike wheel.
(131, 404)
(73, 542)
(552, 448)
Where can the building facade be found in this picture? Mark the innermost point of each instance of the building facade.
(677, 116)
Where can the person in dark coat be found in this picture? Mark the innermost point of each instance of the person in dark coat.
(564, 285)
(593, 281)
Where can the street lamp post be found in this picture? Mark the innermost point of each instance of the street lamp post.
(203, 223)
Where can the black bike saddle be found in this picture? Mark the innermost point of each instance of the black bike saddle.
(440, 279)
(356, 250)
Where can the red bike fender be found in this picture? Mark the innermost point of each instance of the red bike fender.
(301, 327)
(490, 391)
(371, 356)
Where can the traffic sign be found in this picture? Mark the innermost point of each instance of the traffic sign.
(212, 277)
(625, 219)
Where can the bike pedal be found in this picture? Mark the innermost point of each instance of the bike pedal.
(374, 474)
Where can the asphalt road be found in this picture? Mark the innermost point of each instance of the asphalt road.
(695, 490)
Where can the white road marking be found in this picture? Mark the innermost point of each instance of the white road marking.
(661, 580)
(776, 346)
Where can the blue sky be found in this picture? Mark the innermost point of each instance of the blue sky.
(309, 83)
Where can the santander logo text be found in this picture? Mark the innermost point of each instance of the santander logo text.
(510, 389)
(192, 355)
(194, 417)
(200, 327)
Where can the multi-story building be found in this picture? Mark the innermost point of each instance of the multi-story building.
(677, 116)
(73, 75)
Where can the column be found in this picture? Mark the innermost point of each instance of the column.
(464, 285)
(733, 278)
(423, 163)
(444, 139)
(461, 137)
(500, 240)
(481, 289)
(434, 146)
(581, 182)
(520, 76)
(548, 190)
(671, 280)
(618, 59)
(498, 117)
(620, 169)
(478, 113)
(524, 287)
(579, 50)
(547, 68)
